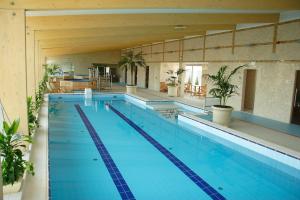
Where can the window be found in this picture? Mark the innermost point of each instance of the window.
(193, 74)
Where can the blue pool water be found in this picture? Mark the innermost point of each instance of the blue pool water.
(109, 148)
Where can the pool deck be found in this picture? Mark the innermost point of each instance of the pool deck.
(254, 130)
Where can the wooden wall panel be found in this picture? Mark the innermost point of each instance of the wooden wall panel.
(31, 82)
(13, 65)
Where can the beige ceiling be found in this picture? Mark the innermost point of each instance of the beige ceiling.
(71, 34)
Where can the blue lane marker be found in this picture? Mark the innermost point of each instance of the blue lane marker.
(112, 168)
(209, 190)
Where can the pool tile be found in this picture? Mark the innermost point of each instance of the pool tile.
(112, 168)
(209, 190)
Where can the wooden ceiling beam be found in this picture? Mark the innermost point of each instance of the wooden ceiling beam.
(111, 40)
(133, 20)
(138, 4)
(120, 31)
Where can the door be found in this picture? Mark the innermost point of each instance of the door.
(135, 76)
(125, 75)
(249, 90)
(296, 100)
(147, 77)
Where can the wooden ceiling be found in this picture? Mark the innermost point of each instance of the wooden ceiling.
(72, 34)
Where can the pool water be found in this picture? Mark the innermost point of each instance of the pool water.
(109, 148)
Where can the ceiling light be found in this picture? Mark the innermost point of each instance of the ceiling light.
(180, 27)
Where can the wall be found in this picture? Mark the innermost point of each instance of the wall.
(82, 62)
(275, 50)
(13, 84)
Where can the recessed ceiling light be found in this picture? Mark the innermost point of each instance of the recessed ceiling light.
(180, 27)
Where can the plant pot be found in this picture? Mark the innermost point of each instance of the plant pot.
(16, 187)
(172, 91)
(131, 89)
(222, 115)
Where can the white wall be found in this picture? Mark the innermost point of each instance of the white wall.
(82, 62)
(165, 67)
(275, 70)
(154, 76)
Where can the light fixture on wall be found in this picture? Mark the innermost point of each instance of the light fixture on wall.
(180, 27)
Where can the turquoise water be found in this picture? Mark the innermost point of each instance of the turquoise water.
(77, 169)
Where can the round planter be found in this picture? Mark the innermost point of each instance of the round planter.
(222, 115)
(16, 187)
(131, 89)
(172, 91)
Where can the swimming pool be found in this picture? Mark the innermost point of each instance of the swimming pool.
(114, 147)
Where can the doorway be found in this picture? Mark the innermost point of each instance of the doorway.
(135, 76)
(249, 97)
(296, 100)
(125, 71)
(147, 77)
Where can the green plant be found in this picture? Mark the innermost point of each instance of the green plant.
(51, 70)
(132, 62)
(41, 90)
(223, 88)
(197, 81)
(190, 80)
(172, 80)
(32, 119)
(11, 145)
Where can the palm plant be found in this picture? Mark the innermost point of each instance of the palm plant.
(32, 119)
(132, 62)
(223, 88)
(173, 76)
(11, 145)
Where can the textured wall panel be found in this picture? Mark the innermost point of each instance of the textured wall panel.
(219, 40)
(157, 57)
(172, 46)
(147, 49)
(190, 56)
(290, 31)
(258, 35)
(157, 48)
(288, 51)
(194, 43)
(263, 52)
(171, 57)
(219, 54)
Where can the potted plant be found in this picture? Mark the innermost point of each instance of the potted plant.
(51, 70)
(132, 62)
(32, 116)
(13, 164)
(223, 89)
(172, 81)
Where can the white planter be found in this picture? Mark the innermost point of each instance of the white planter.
(16, 187)
(131, 89)
(172, 91)
(222, 115)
